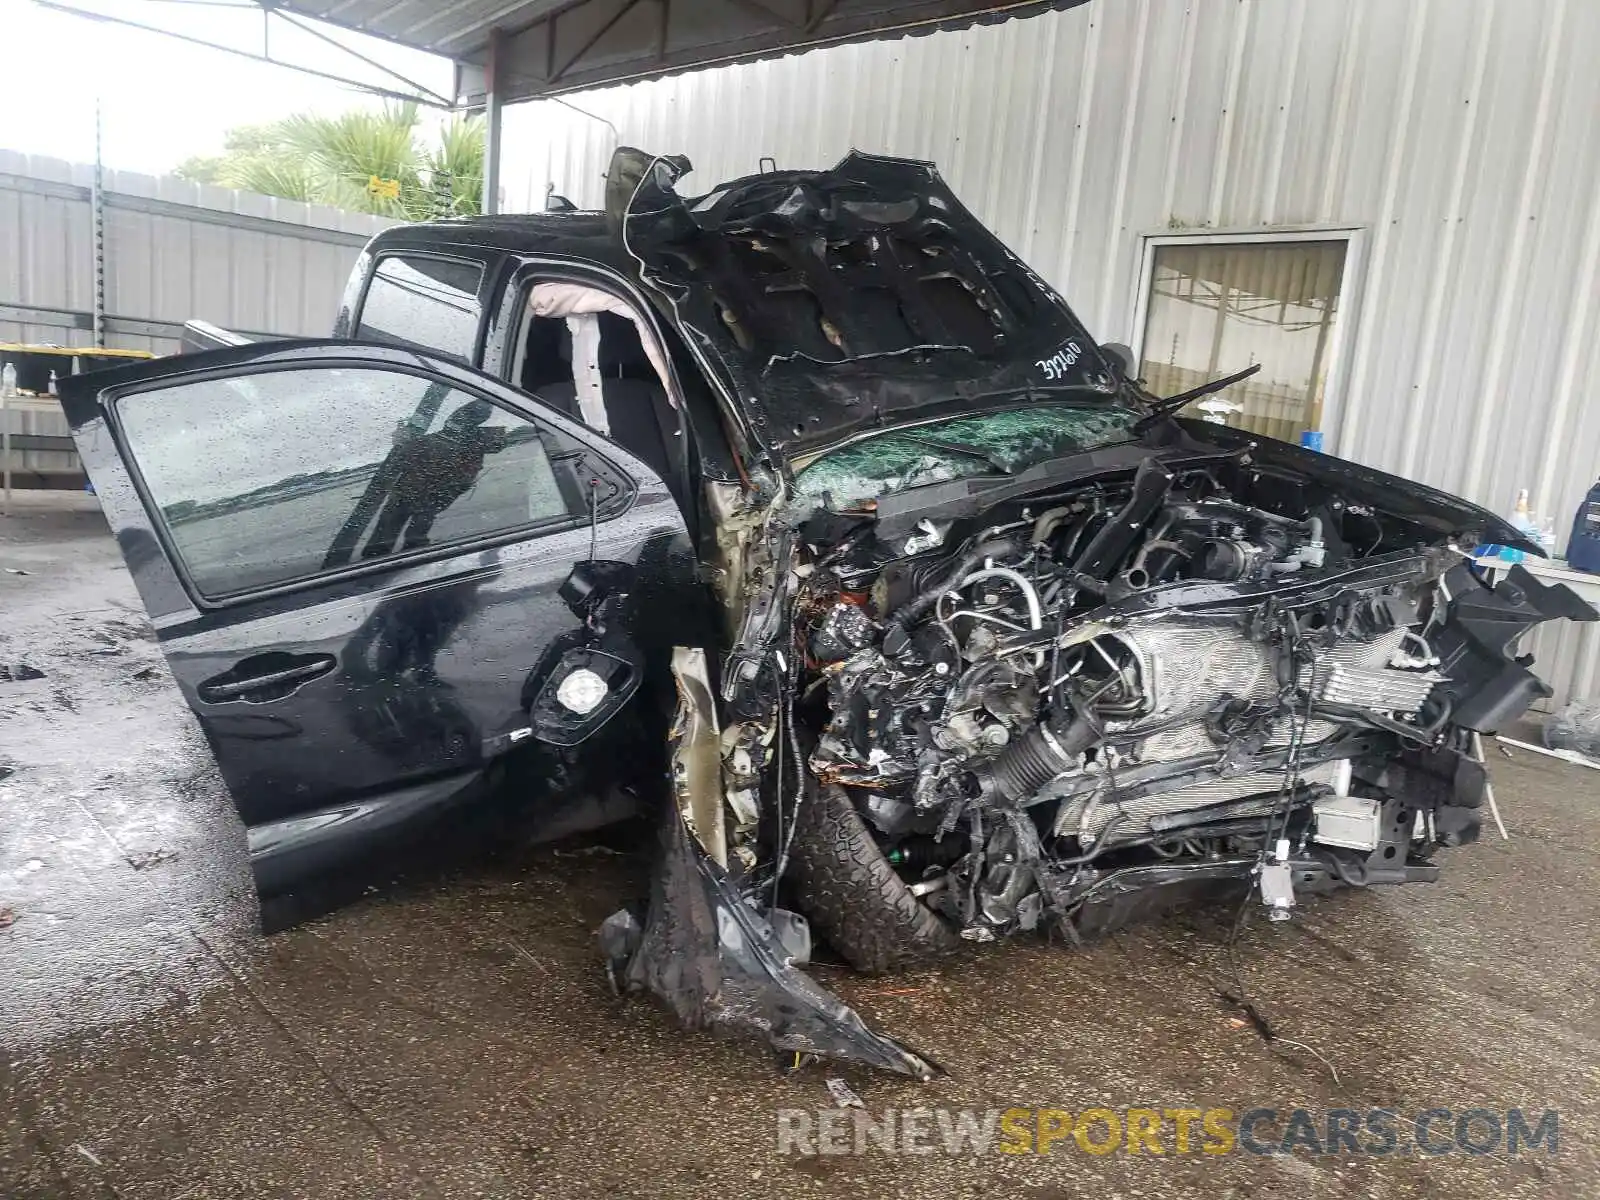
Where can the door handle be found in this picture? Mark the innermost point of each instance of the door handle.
(281, 676)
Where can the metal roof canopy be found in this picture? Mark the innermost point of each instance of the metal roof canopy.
(514, 50)
(510, 50)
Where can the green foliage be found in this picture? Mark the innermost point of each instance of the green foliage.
(200, 168)
(457, 159)
(333, 159)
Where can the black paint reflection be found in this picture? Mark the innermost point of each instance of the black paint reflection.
(424, 474)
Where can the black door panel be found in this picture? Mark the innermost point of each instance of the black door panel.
(352, 599)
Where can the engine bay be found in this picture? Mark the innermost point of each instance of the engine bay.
(1008, 643)
(1147, 681)
(1061, 693)
(1053, 674)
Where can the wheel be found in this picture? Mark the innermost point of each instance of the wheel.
(852, 894)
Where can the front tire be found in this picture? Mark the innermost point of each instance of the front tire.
(852, 894)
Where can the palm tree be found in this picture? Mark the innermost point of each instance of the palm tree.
(455, 165)
(334, 160)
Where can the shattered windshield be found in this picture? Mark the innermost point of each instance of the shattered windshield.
(1000, 443)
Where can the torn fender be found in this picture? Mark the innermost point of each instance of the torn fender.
(722, 967)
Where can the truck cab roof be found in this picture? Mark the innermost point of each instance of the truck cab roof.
(577, 235)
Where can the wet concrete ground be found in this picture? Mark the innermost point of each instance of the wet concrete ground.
(456, 1038)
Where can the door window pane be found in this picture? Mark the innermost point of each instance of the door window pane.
(274, 476)
(424, 303)
(1218, 307)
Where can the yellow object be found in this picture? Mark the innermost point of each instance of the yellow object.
(73, 351)
(389, 189)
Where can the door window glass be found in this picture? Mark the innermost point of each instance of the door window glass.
(424, 303)
(1217, 307)
(275, 476)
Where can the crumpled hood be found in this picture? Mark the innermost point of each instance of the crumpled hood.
(831, 301)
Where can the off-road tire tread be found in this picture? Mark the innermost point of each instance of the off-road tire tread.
(851, 893)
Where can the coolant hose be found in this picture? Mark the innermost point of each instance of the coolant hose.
(1035, 609)
(1047, 522)
(922, 603)
(1117, 536)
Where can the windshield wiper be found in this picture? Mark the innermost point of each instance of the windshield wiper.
(956, 448)
(1172, 404)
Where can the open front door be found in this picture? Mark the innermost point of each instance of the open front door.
(354, 558)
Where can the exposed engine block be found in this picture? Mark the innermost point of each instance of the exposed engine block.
(1005, 688)
(1040, 710)
(1183, 666)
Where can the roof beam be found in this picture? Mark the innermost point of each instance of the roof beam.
(623, 9)
(555, 46)
(438, 100)
(494, 19)
(427, 96)
(756, 8)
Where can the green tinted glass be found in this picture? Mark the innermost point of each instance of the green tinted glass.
(991, 444)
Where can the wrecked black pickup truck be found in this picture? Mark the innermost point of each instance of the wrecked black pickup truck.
(804, 514)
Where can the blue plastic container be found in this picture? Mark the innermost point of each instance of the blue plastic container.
(1506, 554)
(1583, 550)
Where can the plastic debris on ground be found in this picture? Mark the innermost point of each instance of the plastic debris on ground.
(1575, 727)
(1571, 756)
(842, 1095)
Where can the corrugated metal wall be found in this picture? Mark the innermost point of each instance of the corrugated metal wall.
(173, 250)
(1458, 134)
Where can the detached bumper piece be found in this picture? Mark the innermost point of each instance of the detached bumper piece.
(724, 967)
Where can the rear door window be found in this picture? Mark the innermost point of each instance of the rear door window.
(425, 303)
(270, 477)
